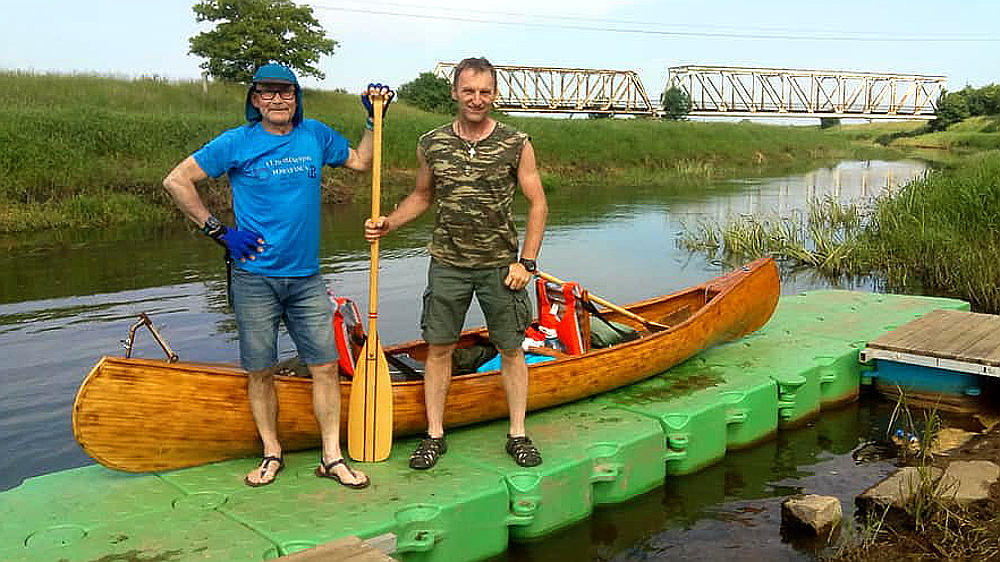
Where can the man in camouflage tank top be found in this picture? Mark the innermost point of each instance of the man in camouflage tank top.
(469, 171)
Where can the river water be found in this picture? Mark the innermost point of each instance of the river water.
(68, 298)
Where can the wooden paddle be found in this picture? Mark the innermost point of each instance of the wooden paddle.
(654, 326)
(369, 420)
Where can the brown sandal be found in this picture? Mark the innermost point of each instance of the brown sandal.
(325, 470)
(265, 465)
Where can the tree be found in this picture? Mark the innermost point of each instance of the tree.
(951, 108)
(250, 33)
(428, 92)
(827, 122)
(676, 103)
(991, 99)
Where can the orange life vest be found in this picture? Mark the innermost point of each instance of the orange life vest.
(346, 330)
(560, 308)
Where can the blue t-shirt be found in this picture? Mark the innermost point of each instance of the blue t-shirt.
(276, 189)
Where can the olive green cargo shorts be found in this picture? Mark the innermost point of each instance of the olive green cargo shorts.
(449, 294)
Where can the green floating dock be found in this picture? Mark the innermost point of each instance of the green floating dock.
(603, 450)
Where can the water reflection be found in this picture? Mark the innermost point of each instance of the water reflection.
(846, 182)
(68, 298)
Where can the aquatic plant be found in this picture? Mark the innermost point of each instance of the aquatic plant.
(824, 237)
(938, 234)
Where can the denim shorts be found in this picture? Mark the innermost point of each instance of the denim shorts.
(302, 303)
(449, 294)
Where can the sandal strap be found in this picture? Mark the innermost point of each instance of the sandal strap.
(429, 449)
(265, 464)
(329, 466)
(523, 450)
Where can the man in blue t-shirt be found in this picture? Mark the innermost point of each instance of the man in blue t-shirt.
(274, 165)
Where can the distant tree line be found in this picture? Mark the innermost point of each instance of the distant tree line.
(967, 102)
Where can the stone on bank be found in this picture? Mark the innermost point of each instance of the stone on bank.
(818, 514)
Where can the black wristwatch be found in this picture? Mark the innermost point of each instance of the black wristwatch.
(529, 265)
(213, 227)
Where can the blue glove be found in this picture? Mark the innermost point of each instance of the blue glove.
(367, 102)
(242, 244)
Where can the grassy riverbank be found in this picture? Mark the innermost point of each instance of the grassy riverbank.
(86, 151)
(937, 235)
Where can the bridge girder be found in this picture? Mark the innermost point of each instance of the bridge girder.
(781, 92)
(539, 89)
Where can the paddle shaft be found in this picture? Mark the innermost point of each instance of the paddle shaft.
(377, 103)
(624, 312)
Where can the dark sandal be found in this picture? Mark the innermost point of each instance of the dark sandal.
(265, 464)
(524, 451)
(325, 470)
(427, 452)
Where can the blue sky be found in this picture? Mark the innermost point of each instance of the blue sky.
(393, 41)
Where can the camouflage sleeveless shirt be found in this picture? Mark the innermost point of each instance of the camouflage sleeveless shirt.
(474, 185)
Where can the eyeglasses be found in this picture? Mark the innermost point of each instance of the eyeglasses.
(268, 95)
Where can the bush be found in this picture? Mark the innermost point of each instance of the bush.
(676, 104)
(952, 108)
(428, 92)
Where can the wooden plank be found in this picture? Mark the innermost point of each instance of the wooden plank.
(946, 334)
(909, 335)
(956, 338)
(988, 348)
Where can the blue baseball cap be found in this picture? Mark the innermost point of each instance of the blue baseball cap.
(274, 73)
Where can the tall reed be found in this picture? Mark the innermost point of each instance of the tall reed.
(939, 234)
(942, 233)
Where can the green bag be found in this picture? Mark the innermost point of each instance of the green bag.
(607, 334)
(468, 359)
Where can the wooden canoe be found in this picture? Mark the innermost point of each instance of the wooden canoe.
(141, 415)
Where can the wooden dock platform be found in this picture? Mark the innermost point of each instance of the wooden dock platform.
(937, 360)
(953, 340)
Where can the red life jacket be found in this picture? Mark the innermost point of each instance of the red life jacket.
(559, 307)
(346, 325)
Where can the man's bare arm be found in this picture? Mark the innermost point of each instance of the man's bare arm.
(414, 205)
(180, 184)
(538, 210)
(360, 159)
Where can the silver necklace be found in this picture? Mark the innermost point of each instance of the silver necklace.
(470, 146)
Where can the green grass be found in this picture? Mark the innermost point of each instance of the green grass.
(68, 140)
(942, 233)
(938, 235)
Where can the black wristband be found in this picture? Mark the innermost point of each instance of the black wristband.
(529, 265)
(213, 227)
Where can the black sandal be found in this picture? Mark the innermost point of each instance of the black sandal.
(265, 465)
(427, 452)
(325, 470)
(523, 450)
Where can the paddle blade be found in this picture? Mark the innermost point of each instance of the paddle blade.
(369, 415)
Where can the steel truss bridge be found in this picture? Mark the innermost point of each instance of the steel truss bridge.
(566, 90)
(781, 92)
